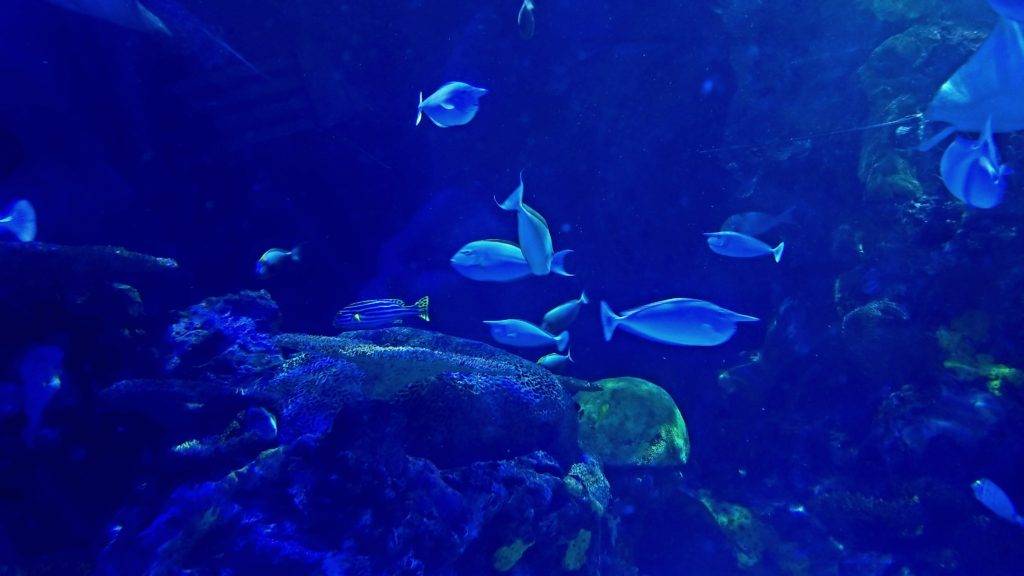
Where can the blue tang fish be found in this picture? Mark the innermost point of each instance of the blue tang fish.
(1012, 9)
(755, 223)
(274, 260)
(556, 362)
(370, 314)
(562, 316)
(738, 245)
(522, 334)
(499, 261)
(454, 104)
(679, 321)
(993, 498)
(534, 235)
(21, 221)
(126, 13)
(972, 171)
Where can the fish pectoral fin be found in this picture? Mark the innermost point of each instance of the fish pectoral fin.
(447, 105)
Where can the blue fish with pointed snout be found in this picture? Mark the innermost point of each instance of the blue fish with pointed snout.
(500, 261)
(973, 172)
(454, 104)
(522, 334)
(21, 221)
(1012, 9)
(992, 497)
(562, 316)
(736, 245)
(534, 234)
(556, 362)
(679, 322)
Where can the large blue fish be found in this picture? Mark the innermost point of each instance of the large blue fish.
(454, 104)
(522, 334)
(736, 245)
(499, 261)
(679, 321)
(993, 498)
(534, 235)
(126, 13)
(1012, 9)
(20, 221)
(370, 314)
(973, 172)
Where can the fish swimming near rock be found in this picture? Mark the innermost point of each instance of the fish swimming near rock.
(1012, 9)
(562, 316)
(556, 362)
(736, 245)
(20, 221)
(989, 86)
(500, 261)
(526, 21)
(973, 172)
(125, 13)
(992, 497)
(370, 314)
(454, 104)
(678, 321)
(534, 234)
(522, 334)
(756, 223)
(274, 260)
(40, 371)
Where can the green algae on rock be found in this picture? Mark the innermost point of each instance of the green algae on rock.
(506, 557)
(632, 422)
(576, 553)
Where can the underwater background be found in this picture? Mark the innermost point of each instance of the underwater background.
(166, 409)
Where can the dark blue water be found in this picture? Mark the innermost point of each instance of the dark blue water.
(847, 424)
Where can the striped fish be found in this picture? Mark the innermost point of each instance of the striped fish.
(370, 314)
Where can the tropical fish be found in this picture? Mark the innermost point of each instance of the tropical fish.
(499, 261)
(556, 362)
(454, 104)
(993, 498)
(988, 86)
(679, 321)
(522, 334)
(534, 235)
(370, 314)
(527, 24)
(21, 221)
(739, 245)
(562, 316)
(756, 223)
(274, 260)
(126, 13)
(972, 171)
(1012, 9)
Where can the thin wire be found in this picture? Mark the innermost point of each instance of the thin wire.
(813, 136)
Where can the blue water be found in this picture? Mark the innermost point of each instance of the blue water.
(850, 421)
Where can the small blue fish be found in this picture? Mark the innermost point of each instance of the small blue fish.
(679, 321)
(738, 245)
(562, 316)
(454, 104)
(499, 261)
(126, 13)
(274, 260)
(1012, 9)
(522, 334)
(534, 234)
(526, 21)
(370, 314)
(756, 223)
(973, 172)
(993, 498)
(556, 362)
(21, 221)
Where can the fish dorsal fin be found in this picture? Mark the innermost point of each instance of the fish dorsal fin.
(535, 214)
(499, 241)
(681, 301)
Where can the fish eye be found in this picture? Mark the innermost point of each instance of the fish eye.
(466, 252)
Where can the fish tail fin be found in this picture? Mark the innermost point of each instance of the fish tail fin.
(515, 200)
(609, 321)
(569, 356)
(423, 307)
(583, 298)
(777, 251)
(152, 21)
(558, 263)
(419, 110)
(562, 341)
(936, 140)
(22, 221)
(297, 254)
